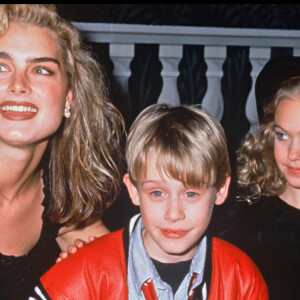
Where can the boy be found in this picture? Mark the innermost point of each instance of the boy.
(178, 167)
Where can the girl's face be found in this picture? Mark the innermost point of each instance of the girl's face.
(33, 85)
(287, 141)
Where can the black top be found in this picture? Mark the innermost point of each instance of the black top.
(269, 232)
(18, 275)
(172, 273)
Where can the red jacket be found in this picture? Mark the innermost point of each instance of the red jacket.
(98, 271)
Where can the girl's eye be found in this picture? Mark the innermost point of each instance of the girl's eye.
(3, 69)
(280, 135)
(42, 71)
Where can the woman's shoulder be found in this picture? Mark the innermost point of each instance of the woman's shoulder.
(102, 253)
(102, 249)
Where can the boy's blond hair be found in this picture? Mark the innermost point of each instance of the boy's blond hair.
(190, 145)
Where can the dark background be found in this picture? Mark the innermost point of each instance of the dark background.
(280, 16)
(145, 83)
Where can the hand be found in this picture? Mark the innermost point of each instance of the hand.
(71, 249)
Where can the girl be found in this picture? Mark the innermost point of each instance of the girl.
(269, 179)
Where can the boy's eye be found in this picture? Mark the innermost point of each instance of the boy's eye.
(191, 194)
(157, 194)
(281, 135)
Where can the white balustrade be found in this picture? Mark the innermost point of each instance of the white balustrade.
(296, 51)
(258, 58)
(213, 99)
(123, 37)
(170, 56)
(121, 56)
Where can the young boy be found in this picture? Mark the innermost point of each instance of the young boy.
(178, 168)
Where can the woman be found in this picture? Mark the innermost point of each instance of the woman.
(269, 179)
(57, 174)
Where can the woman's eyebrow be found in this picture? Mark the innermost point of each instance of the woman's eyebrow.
(44, 59)
(5, 55)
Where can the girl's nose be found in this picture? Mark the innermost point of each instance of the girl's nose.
(294, 150)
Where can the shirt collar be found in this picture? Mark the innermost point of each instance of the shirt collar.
(138, 257)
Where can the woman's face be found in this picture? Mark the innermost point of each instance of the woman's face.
(287, 141)
(33, 85)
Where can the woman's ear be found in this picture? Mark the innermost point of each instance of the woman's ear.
(69, 99)
(223, 192)
(132, 190)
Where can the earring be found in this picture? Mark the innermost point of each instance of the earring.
(67, 113)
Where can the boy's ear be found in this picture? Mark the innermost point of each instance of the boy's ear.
(223, 192)
(132, 190)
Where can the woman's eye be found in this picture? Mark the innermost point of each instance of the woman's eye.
(281, 135)
(3, 69)
(42, 71)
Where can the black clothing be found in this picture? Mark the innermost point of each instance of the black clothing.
(172, 273)
(269, 232)
(18, 275)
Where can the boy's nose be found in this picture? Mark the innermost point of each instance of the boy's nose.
(174, 211)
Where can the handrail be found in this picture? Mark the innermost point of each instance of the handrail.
(189, 35)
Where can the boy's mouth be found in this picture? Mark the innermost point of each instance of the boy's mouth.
(174, 233)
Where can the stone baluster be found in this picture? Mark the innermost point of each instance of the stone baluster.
(213, 99)
(258, 58)
(296, 51)
(121, 56)
(170, 56)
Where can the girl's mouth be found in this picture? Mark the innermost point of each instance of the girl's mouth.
(294, 171)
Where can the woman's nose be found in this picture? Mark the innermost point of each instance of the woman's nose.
(19, 84)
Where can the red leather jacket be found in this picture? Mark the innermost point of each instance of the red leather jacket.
(98, 271)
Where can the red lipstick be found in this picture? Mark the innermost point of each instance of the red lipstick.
(18, 111)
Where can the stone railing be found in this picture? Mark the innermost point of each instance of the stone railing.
(171, 40)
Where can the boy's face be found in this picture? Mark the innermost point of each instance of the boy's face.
(175, 216)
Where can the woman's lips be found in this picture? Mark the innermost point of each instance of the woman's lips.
(18, 111)
(174, 233)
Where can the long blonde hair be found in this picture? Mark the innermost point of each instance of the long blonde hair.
(257, 171)
(85, 153)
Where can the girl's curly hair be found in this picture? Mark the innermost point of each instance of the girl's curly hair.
(257, 171)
